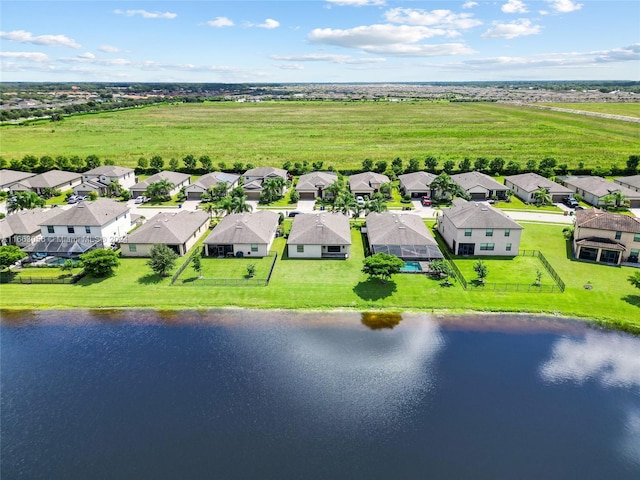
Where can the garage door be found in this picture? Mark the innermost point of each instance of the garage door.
(193, 196)
(634, 203)
(478, 196)
(307, 196)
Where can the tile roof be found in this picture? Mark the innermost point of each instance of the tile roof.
(320, 228)
(599, 187)
(258, 227)
(96, 213)
(472, 180)
(475, 215)
(169, 228)
(531, 182)
(601, 220)
(314, 180)
(601, 243)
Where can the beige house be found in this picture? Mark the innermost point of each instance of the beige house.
(525, 185)
(313, 185)
(53, 179)
(9, 177)
(23, 228)
(177, 230)
(243, 235)
(606, 237)
(210, 180)
(254, 177)
(178, 180)
(98, 179)
(366, 183)
(320, 235)
(416, 184)
(595, 189)
(480, 186)
(470, 228)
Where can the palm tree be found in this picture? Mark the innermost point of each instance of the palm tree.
(225, 205)
(240, 205)
(160, 190)
(620, 198)
(375, 204)
(335, 189)
(609, 200)
(444, 188)
(272, 189)
(345, 202)
(24, 201)
(210, 208)
(113, 189)
(542, 197)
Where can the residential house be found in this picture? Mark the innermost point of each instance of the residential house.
(632, 182)
(210, 180)
(366, 183)
(53, 179)
(606, 237)
(313, 185)
(480, 186)
(243, 235)
(178, 230)
(98, 179)
(594, 190)
(416, 184)
(319, 235)
(179, 180)
(254, 177)
(470, 228)
(9, 177)
(22, 228)
(403, 235)
(83, 227)
(525, 185)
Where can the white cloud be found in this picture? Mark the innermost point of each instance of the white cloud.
(221, 22)
(443, 18)
(357, 3)
(21, 36)
(269, 23)
(109, 49)
(469, 4)
(518, 28)
(327, 57)
(146, 14)
(514, 6)
(564, 6)
(28, 56)
(87, 56)
(290, 66)
(612, 360)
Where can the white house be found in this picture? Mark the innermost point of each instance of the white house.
(470, 228)
(98, 179)
(480, 186)
(84, 226)
(366, 183)
(243, 235)
(416, 184)
(320, 235)
(255, 177)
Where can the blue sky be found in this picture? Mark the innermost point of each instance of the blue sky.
(319, 40)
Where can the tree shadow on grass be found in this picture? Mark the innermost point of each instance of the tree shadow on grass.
(374, 289)
(150, 279)
(632, 299)
(88, 280)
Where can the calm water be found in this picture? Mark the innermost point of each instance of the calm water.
(239, 394)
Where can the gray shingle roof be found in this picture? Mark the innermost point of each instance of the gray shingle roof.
(531, 182)
(420, 181)
(26, 222)
(320, 228)
(471, 180)
(51, 179)
(474, 215)
(109, 171)
(169, 228)
(397, 229)
(214, 178)
(310, 182)
(601, 220)
(7, 177)
(599, 187)
(633, 180)
(258, 227)
(174, 177)
(96, 213)
(361, 182)
(266, 172)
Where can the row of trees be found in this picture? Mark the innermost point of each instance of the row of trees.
(547, 167)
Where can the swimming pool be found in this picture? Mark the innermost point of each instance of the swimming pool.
(411, 267)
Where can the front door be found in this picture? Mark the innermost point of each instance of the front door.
(221, 250)
(609, 256)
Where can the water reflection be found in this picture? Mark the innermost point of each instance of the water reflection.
(611, 359)
(380, 320)
(351, 378)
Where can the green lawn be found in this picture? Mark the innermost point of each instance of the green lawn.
(516, 204)
(520, 270)
(628, 109)
(228, 268)
(339, 284)
(341, 134)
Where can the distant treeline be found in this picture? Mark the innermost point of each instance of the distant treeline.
(547, 167)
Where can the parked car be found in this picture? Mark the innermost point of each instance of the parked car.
(294, 213)
(360, 200)
(570, 202)
(426, 201)
(141, 199)
(75, 199)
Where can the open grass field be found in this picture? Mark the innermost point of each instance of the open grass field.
(340, 284)
(627, 109)
(338, 133)
(521, 270)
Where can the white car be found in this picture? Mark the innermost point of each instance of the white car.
(141, 199)
(360, 200)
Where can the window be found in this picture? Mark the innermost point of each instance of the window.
(507, 232)
(508, 247)
(636, 237)
(254, 247)
(50, 229)
(71, 230)
(487, 247)
(333, 249)
(300, 248)
(618, 235)
(133, 247)
(467, 232)
(489, 232)
(87, 229)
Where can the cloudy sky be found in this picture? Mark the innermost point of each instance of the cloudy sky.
(319, 40)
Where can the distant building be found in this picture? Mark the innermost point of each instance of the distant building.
(179, 180)
(9, 177)
(594, 190)
(480, 186)
(98, 179)
(53, 179)
(632, 182)
(416, 184)
(255, 177)
(210, 180)
(525, 185)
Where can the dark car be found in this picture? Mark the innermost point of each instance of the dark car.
(571, 202)
(294, 213)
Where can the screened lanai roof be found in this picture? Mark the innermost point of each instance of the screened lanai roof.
(409, 252)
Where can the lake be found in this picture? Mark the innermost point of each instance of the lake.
(282, 395)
